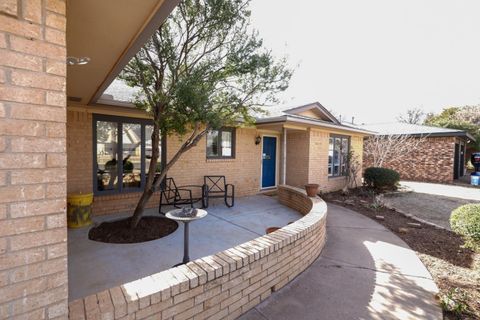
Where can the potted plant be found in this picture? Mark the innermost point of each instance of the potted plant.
(79, 209)
(271, 229)
(311, 189)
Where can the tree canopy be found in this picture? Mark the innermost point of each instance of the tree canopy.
(463, 118)
(205, 65)
(412, 116)
(204, 68)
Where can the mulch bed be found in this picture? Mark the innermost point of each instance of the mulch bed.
(119, 231)
(441, 251)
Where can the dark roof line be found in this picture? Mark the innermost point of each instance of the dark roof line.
(316, 104)
(307, 120)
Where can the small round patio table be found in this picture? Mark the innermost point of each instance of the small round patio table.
(186, 216)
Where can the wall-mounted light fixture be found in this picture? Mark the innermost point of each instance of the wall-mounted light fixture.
(75, 61)
(258, 139)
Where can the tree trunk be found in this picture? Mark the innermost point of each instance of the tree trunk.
(150, 187)
(137, 215)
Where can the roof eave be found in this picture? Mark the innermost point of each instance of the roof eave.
(432, 134)
(286, 118)
(309, 106)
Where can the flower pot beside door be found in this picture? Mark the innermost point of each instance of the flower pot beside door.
(311, 189)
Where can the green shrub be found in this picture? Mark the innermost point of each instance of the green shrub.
(454, 301)
(465, 220)
(381, 178)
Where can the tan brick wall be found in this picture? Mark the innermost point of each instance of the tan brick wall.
(79, 150)
(224, 285)
(243, 171)
(297, 157)
(307, 158)
(432, 161)
(33, 234)
(125, 202)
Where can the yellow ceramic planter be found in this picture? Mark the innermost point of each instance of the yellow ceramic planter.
(79, 208)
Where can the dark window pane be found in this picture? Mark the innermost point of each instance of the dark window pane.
(226, 143)
(132, 155)
(337, 155)
(212, 144)
(221, 143)
(345, 145)
(121, 166)
(344, 156)
(330, 161)
(107, 144)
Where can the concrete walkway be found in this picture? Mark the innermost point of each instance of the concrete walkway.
(444, 190)
(364, 272)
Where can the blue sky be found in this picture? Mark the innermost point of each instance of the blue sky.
(374, 59)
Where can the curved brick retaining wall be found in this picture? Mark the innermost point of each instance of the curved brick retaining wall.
(224, 285)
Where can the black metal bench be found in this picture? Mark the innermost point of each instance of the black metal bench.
(216, 187)
(170, 194)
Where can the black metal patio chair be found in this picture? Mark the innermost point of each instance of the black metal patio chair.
(171, 194)
(216, 187)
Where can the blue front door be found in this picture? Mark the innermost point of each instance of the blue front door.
(269, 161)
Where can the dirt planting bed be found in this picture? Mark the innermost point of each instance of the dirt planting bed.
(119, 231)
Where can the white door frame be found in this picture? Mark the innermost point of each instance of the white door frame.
(277, 161)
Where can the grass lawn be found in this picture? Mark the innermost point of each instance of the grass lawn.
(455, 269)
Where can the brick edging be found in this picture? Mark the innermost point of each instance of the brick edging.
(226, 284)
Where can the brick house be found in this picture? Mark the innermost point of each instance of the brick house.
(301, 146)
(440, 157)
(53, 138)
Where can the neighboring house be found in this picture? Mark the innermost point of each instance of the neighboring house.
(440, 157)
(297, 146)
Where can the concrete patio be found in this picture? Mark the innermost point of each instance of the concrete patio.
(95, 266)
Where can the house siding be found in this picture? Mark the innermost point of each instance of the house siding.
(431, 162)
(243, 171)
(33, 232)
(307, 158)
(297, 157)
(79, 150)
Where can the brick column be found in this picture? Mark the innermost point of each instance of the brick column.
(33, 234)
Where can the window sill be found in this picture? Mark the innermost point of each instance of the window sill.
(220, 160)
(336, 177)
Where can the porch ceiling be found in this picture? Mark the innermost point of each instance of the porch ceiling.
(109, 32)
